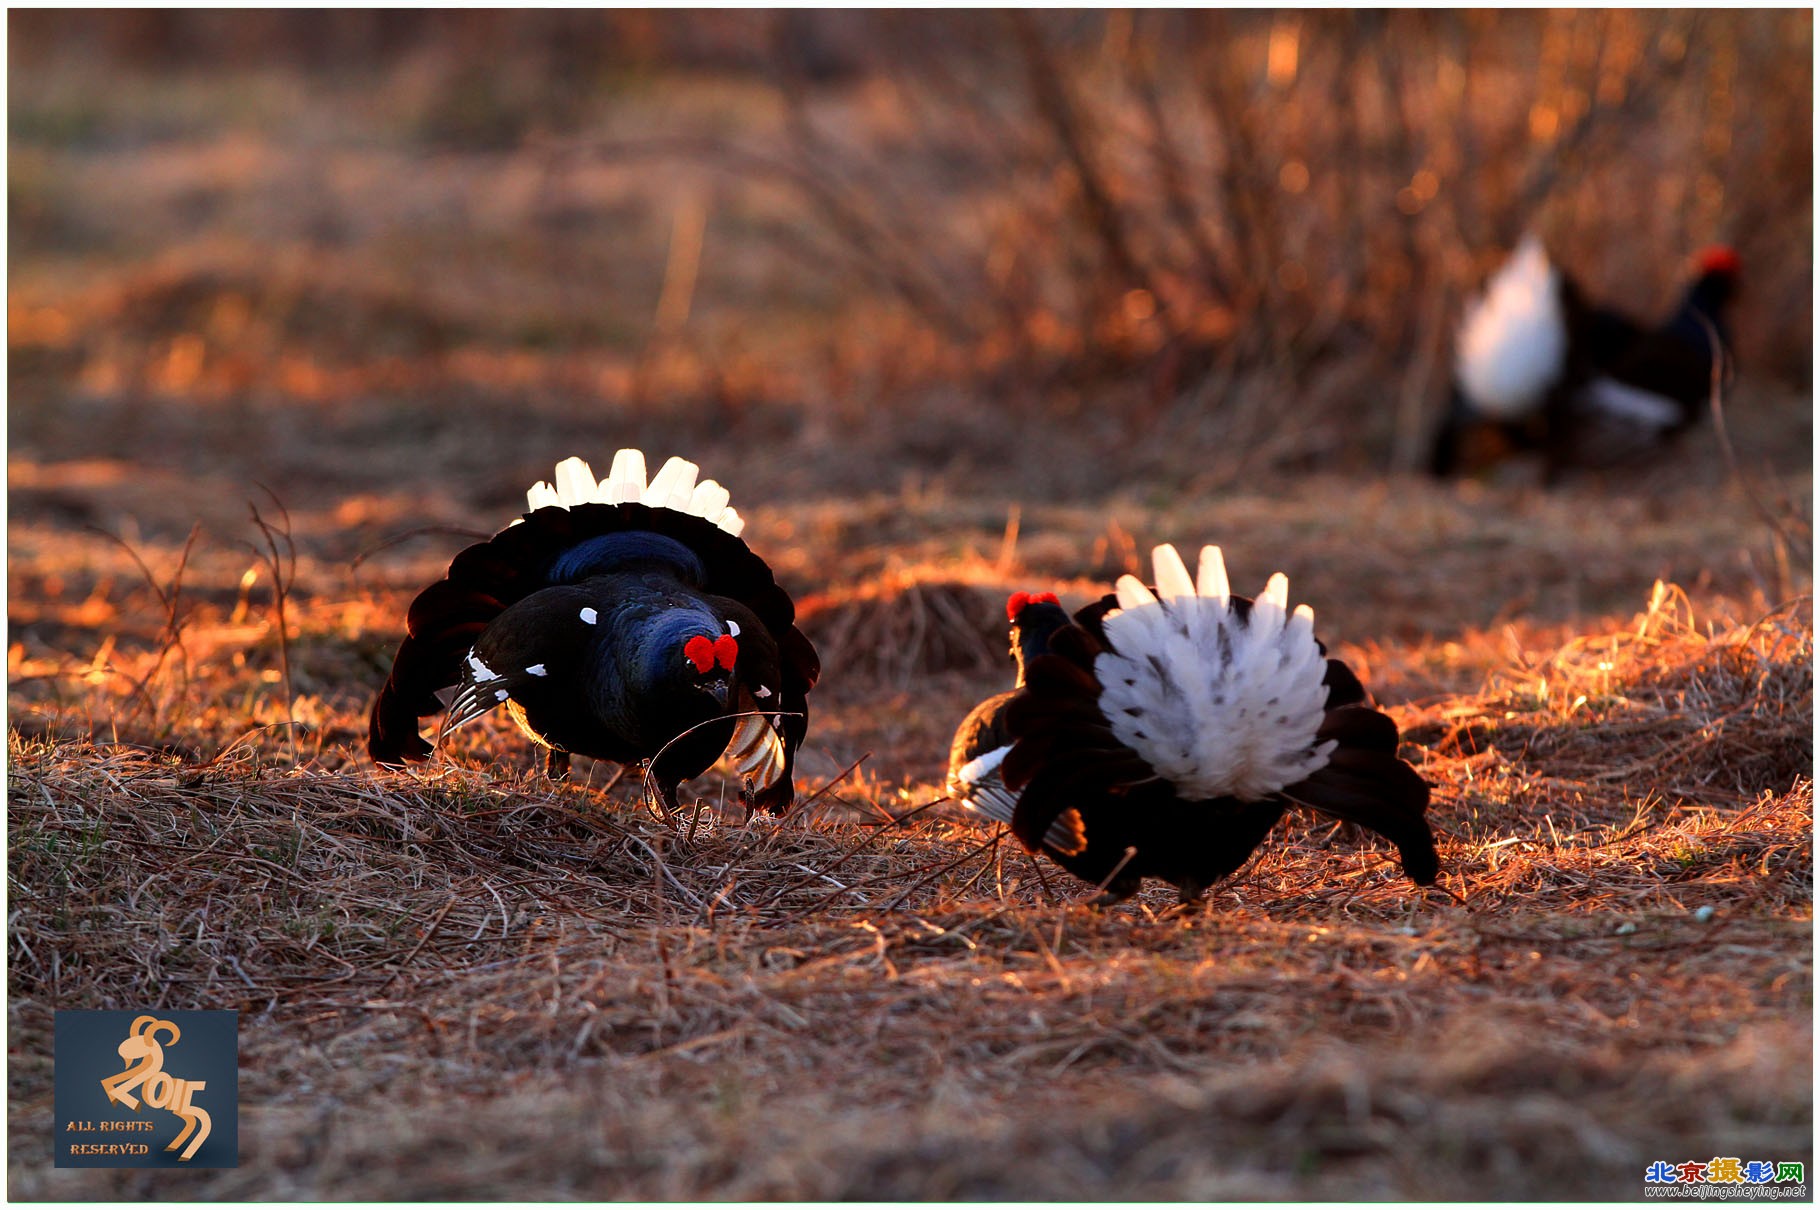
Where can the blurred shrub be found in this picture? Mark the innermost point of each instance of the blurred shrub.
(1208, 213)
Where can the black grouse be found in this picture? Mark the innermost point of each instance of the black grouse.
(616, 619)
(1162, 734)
(983, 738)
(1537, 367)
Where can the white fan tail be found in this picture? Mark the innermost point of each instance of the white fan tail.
(574, 482)
(1512, 343)
(709, 499)
(1212, 581)
(1218, 706)
(673, 488)
(626, 482)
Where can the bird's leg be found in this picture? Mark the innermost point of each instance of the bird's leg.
(666, 795)
(1116, 892)
(556, 764)
(1558, 439)
(1120, 884)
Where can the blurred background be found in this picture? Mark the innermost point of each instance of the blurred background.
(1052, 253)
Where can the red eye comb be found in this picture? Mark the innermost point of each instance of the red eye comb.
(1717, 259)
(726, 651)
(1014, 604)
(700, 652)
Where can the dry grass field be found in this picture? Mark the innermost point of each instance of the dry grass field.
(284, 333)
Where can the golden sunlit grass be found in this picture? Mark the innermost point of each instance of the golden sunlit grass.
(602, 1002)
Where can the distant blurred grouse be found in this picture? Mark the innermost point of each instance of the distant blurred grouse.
(619, 620)
(1163, 734)
(1537, 367)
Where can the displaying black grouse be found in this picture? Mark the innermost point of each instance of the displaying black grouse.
(1163, 734)
(619, 620)
(1538, 367)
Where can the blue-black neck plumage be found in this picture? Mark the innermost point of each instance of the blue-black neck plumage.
(1706, 297)
(1030, 633)
(625, 551)
(640, 678)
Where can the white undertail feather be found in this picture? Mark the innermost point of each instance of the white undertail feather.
(1512, 343)
(674, 487)
(981, 767)
(475, 695)
(756, 752)
(1633, 405)
(978, 786)
(626, 481)
(1217, 706)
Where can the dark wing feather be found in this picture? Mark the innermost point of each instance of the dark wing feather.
(1343, 688)
(1663, 363)
(1091, 620)
(982, 731)
(1376, 790)
(1041, 801)
(1065, 755)
(1359, 727)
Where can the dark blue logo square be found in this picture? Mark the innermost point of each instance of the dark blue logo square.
(147, 1089)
